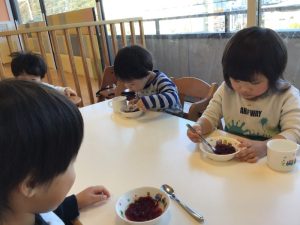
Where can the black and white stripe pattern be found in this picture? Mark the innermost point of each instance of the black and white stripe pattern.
(160, 94)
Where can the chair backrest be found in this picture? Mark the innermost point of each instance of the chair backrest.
(109, 79)
(196, 90)
(110, 86)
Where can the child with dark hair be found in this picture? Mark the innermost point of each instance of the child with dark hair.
(134, 67)
(255, 101)
(31, 66)
(39, 145)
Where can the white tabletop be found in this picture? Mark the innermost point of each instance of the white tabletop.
(152, 150)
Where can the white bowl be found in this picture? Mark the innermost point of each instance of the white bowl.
(126, 199)
(212, 140)
(131, 114)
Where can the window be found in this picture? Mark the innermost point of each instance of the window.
(178, 17)
(280, 15)
(61, 6)
(29, 11)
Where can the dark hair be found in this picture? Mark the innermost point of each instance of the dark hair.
(132, 62)
(28, 62)
(40, 134)
(255, 50)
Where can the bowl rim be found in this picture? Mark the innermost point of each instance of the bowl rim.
(220, 137)
(134, 114)
(138, 188)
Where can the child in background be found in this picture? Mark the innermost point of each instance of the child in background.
(31, 66)
(39, 145)
(134, 67)
(255, 101)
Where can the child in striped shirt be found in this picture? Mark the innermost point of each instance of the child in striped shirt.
(155, 91)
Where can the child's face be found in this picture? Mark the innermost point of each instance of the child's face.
(49, 196)
(251, 90)
(136, 85)
(29, 77)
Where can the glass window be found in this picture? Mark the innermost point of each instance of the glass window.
(189, 16)
(237, 22)
(280, 14)
(192, 25)
(29, 11)
(284, 17)
(61, 6)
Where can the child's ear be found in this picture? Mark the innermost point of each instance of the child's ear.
(27, 188)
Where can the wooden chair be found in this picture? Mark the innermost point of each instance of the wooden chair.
(110, 86)
(197, 91)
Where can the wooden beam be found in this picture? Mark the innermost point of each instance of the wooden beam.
(251, 15)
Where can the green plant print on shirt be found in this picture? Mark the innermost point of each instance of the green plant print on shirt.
(263, 121)
(236, 128)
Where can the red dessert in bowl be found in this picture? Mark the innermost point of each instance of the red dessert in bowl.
(226, 148)
(144, 206)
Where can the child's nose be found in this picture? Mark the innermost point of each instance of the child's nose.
(245, 89)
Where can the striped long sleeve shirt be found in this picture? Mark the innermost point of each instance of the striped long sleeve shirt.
(161, 94)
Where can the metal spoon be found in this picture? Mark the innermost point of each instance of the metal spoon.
(213, 149)
(170, 191)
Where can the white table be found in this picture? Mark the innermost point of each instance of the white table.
(123, 154)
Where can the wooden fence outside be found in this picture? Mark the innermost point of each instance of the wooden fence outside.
(58, 45)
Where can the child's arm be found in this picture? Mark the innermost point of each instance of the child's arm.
(289, 124)
(290, 115)
(203, 126)
(165, 98)
(92, 195)
(69, 92)
(252, 150)
(68, 210)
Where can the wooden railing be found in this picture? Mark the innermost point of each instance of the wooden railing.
(82, 49)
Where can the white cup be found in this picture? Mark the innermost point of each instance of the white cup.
(117, 103)
(281, 154)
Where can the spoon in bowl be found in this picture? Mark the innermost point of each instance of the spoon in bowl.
(170, 191)
(213, 149)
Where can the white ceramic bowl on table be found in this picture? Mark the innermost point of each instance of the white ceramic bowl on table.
(213, 140)
(132, 114)
(126, 112)
(129, 197)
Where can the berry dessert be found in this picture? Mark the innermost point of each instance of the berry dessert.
(143, 209)
(223, 147)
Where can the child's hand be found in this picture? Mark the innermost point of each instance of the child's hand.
(194, 137)
(92, 195)
(133, 101)
(251, 150)
(141, 105)
(69, 92)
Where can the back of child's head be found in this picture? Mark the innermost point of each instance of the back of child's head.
(132, 63)
(40, 134)
(28, 63)
(253, 51)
